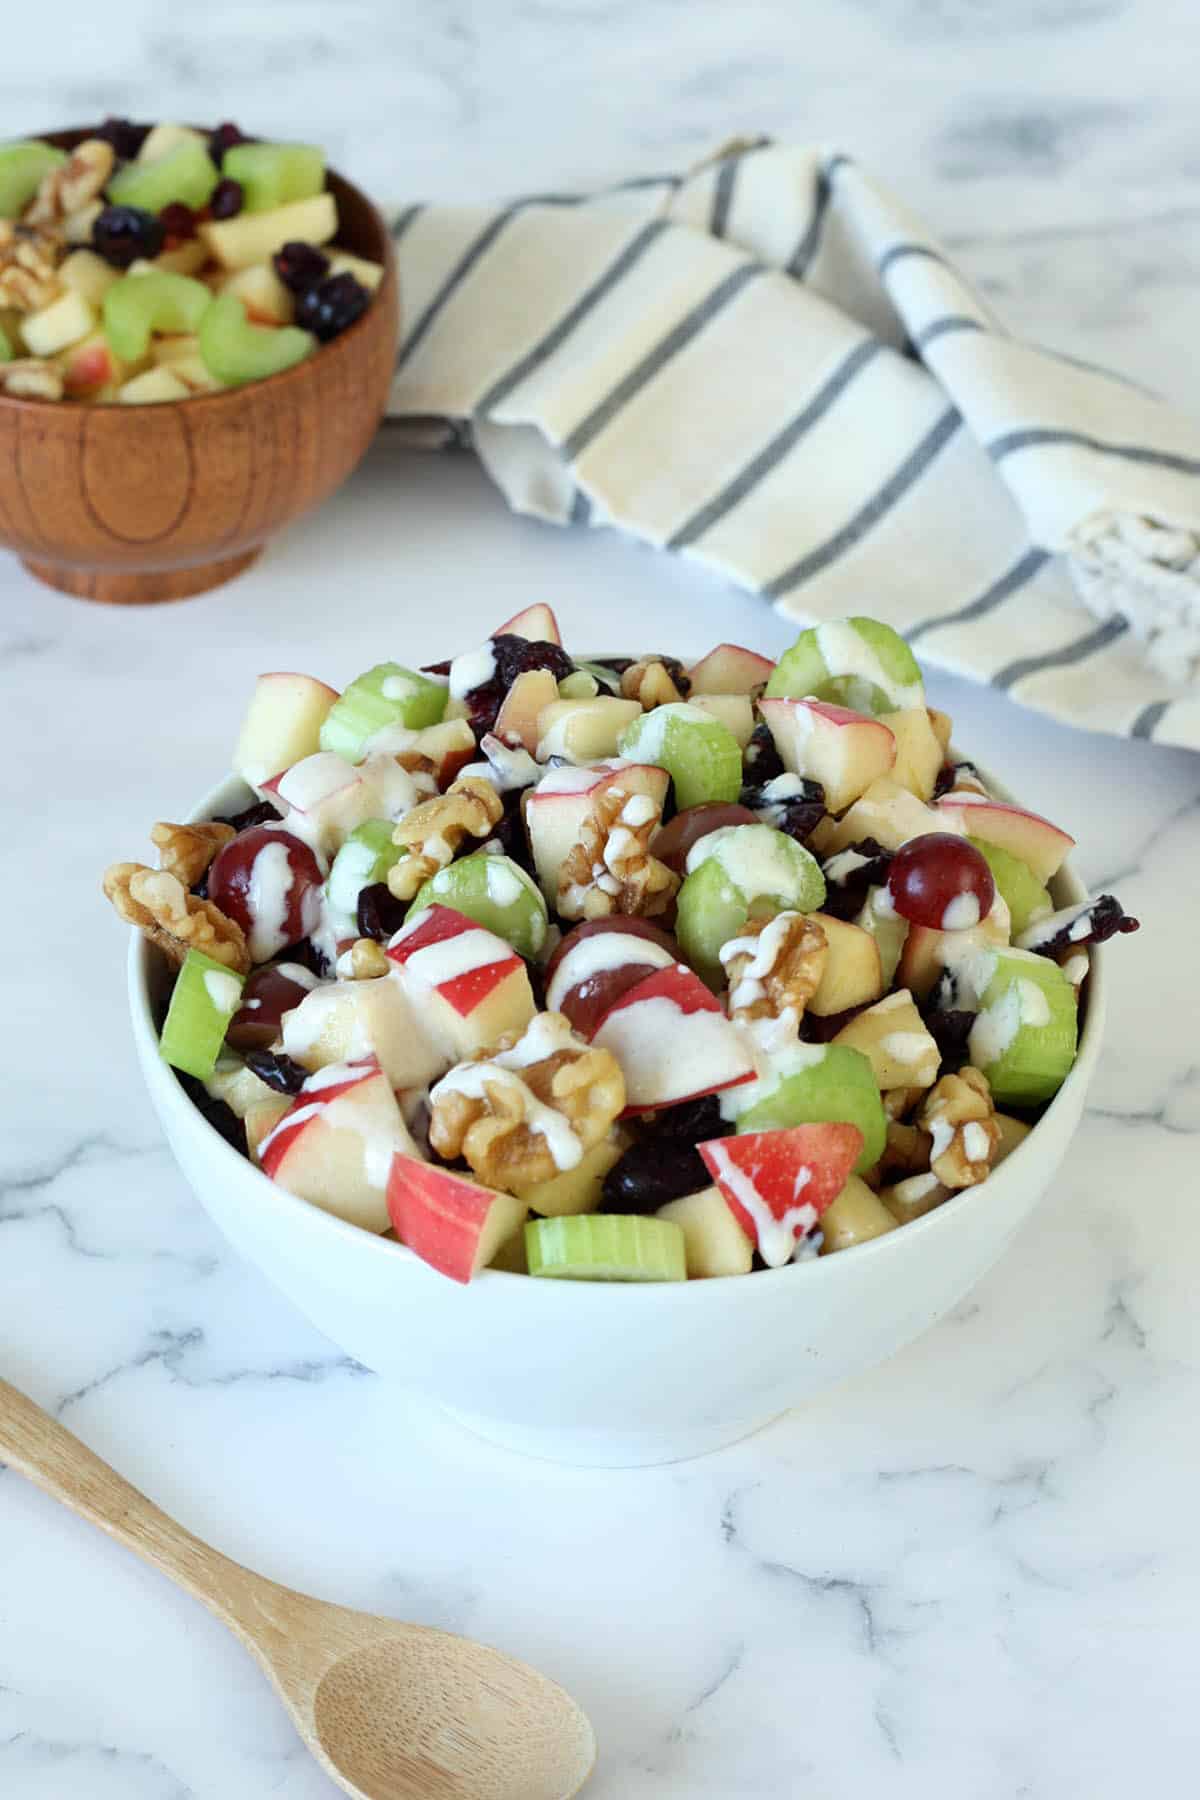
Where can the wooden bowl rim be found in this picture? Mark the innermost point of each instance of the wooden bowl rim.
(228, 396)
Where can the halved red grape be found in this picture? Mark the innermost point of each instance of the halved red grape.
(941, 881)
(269, 882)
(614, 922)
(672, 843)
(269, 993)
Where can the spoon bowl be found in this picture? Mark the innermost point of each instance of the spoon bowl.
(390, 1711)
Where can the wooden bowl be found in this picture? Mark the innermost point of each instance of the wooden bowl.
(134, 504)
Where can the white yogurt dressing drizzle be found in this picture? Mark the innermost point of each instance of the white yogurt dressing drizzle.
(907, 1046)
(846, 653)
(776, 1237)
(507, 766)
(601, 951)
(380, 1140)
(1074, 920)
(223, 990)
(471, 671)
(962, 913)
(436, 964)
(1022, 1003)
(267, 900)
(544, 1036)
(763, 952)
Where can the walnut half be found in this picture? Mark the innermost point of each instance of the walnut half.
(73, 184)
(774, 968)
(186, 851)
(434, 830)
(960, 1117)
(159, 905)
(610, 870)
(528, 1110)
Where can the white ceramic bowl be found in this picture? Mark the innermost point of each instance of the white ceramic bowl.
(609, 1375)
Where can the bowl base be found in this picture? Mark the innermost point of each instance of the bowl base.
(140, 587)
(601, 1449)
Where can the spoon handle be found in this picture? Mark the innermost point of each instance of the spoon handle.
(44, 1451)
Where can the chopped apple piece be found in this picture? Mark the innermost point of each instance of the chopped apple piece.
(853, 972)
(282, 724)
(888, 813)
(448, 1220)
(334, 1146)
(672, 1040)
(88, 275)
(577, 1190)
(255, 237)
(843, 750)
(1038, 843)
(468, 986)
(779, 1183)
(714, 1243)
(918, 750)
(893, 1037)
(261, 292)
(583, 731)
(369, 275)
(729, 669)
(63, 322)
(152, 388)
(343, 1021)
(734, 711)
(856, 1216)
(536, 624)
(530, 695)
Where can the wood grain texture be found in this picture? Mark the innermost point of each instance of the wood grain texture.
(135, 504)
(390, 1711)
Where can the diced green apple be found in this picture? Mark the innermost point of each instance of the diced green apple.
(702, 756)
(606, 1247)
(22, 166)
(186, 173)
(236, 351)
(856, 662)
(495, 892)
(386, 696)
(139, 305)
(364, 859)
(1024, 1035)
(272, 175)
(205, 997)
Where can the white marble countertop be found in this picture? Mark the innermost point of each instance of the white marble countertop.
(971, 1572)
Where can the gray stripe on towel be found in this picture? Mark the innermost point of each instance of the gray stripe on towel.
(944, 326)
(404, 219)
(801, 259)
(1147, 721)
(675, 340)
(1023, 570)
(899, 252)
(773, 452)
(1037, 436)
(634, 250)
(881, 502)
(1075, 652)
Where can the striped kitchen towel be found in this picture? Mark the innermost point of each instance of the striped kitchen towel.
(768, 365)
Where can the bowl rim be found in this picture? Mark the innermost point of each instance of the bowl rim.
(169, 1098)
(341, 343)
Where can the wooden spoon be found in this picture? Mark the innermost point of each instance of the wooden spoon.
(390, 1711)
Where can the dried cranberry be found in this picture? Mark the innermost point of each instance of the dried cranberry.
(1105, 918)
(692, 1120)
(653, 1172)
(438, 668)
(224, 138)
(951, 774)
(332, 305)
(122, 234)
(278, 1071)
(178, 220)
(822, 1029)
(221, 1117)
(261, 813)
(225, 201)
(761, 761)
(797, 815)
(847, 883)
(310, 957)
(380, 914)
(511, 656)
(300, 266)
(949, 1027)
(509, 831)
(125, 137)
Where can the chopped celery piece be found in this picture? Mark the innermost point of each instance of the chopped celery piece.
(859, 663)
(495, 892)
(1024, 1034)
(736, 873)
(235, 351)
(1016, 884)
(365, 858)
(22, 166)
(702, 756)
(606, 1247)
(814, 1084)
(204, 1000)
(139, 305)
(387, 695)
(186, 174)
(271, 175)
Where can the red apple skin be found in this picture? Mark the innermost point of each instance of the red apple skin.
(632, 927)
(232, 868)
(771, 1160)
(463, 992)
(593, 999)
(257, 1027)
(439, 1215)
(672, 843)
(276, 1145)
(684, 990)
(536, 624)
